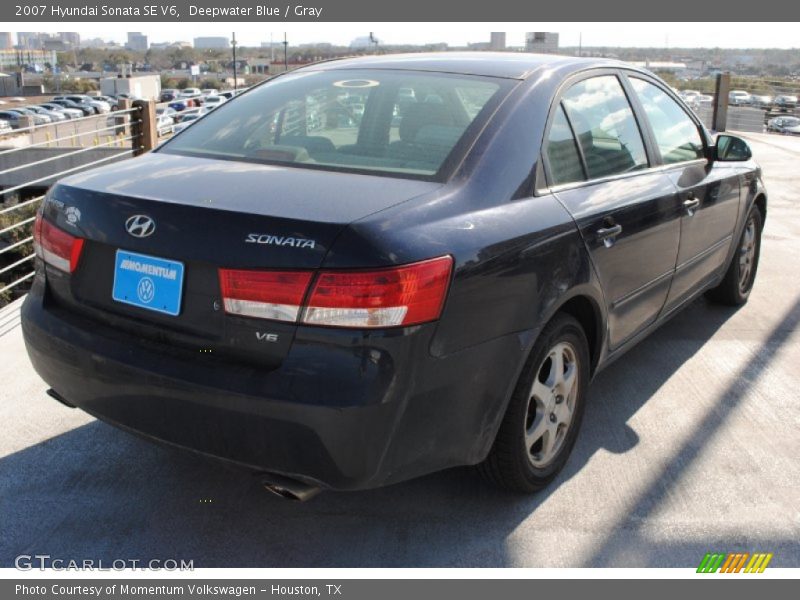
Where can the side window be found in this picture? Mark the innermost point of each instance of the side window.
(604, 124)
(562, 153)
(676, 134)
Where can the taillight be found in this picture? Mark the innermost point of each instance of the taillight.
(392, 297)
(405, 295)
(37, 233)
(264, 294)
(56, 247)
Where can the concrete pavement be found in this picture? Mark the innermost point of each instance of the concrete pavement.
(690, 444)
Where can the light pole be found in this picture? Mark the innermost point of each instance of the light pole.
(233, 44)
(285, 53)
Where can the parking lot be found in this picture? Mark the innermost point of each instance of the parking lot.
(690, 444)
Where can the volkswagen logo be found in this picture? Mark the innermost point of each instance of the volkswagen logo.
(146, 290)
(140, 226)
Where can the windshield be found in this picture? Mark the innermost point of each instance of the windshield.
(393, 122)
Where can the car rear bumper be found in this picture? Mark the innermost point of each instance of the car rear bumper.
(343, 410)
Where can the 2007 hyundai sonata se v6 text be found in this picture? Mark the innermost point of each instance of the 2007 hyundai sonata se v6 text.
(370, 269)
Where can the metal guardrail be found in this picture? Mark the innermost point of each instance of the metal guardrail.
(131, 129)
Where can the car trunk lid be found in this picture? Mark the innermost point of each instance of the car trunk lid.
(206, 215)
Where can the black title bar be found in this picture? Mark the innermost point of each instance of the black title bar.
(714, 12)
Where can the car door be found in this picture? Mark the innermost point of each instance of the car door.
(599, 166)
(708, 191)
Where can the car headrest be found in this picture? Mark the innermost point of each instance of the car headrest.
(423, 114)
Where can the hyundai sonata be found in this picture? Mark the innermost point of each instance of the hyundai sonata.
(342, 298)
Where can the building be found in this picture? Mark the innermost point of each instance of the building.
(55, 44)
(32, 60)
(71, 38)
(205, 43)
(541, 42)
(140, 86)
(137, 41)
(6, 43)
(258, 66)
(361, 42)
(660, 65)
(29, 40)
(497, 41)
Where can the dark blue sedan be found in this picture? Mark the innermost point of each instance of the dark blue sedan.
(370, 269)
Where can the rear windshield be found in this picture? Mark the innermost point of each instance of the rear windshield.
(402, 123)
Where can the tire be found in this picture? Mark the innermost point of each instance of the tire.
(544, 409)
(735, 287)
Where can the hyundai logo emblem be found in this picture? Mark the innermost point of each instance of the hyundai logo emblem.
(140, 226)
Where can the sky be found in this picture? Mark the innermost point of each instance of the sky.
(675, 35)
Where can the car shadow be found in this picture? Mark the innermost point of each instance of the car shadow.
(95, 493)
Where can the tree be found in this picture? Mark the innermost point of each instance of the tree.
(177, 56)
(209, 83)
(119, 57)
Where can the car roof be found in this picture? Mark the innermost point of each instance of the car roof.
(511, 65)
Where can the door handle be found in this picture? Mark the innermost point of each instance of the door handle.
(607, 234)
(690, 204)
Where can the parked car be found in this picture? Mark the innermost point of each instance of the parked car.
(99, 106)
(356, 307)
(687, 95)
(69, 113)
(213, 102)
(189, 102)
(38, 119)
(84, 108)
(785, 101)
(695, 99)
(166, 111)
(228, 94)
(190, 93)
(739, 98)
(178, 105)
(164, 124)
(54, 116)
(761, 100)
(209, 91)
(128, 96)
(168, 95)
(24, 112)
(188, 117)
(12, 118)
(787, 125)
(112, 102)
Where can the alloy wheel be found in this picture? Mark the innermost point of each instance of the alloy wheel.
(747, 254)
(551, 404)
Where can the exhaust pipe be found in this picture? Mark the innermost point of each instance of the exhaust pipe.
(289, 489)
(54, 394)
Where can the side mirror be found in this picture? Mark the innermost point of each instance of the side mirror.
(732, 149)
